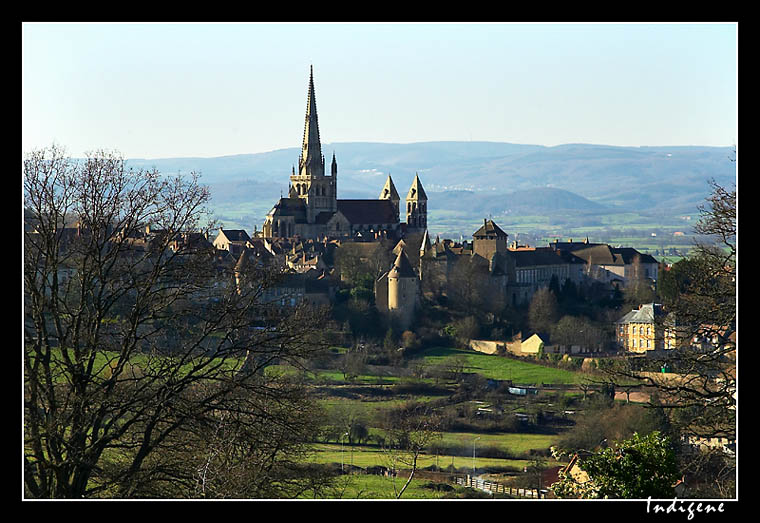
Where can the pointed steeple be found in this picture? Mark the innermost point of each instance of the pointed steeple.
(425, 244)
(311, 161)
(389, 191)
(416, 192)
(416, 206)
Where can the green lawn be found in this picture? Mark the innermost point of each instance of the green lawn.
(517, 443)
(501, 368)
(365, 486)
(368, 456)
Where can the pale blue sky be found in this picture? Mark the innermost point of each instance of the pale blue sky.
(195, 89)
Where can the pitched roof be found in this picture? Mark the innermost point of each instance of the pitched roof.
(371, 212)
(290, 207)
(644, 314)
(629, 255)
(235, 235)
(535, 257)
(489, 230)
(602, 254)
(323, 217)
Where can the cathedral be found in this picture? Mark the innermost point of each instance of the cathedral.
(312, 208)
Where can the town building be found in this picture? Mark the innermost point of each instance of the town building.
(232, 240)
(642, 330)
(614, 266)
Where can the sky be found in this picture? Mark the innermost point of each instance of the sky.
(167, 90)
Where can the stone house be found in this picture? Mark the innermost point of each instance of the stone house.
(232, 240)
(641, 330)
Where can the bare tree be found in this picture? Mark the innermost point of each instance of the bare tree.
(409, 432)
(467, 282)
(141, 351)
(699, 392)
(543, 310)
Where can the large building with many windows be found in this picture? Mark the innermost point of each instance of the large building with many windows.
(642, 330)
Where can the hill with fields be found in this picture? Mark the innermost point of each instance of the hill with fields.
(473, 179)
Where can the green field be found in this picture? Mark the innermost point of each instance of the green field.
(461, 451)
(369, 486)
(500, 368)
(468, 449)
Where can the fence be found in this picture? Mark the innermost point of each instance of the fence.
(491, 486)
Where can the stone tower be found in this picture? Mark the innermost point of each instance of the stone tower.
(389, 193)
(402, 291)
(489, 240)
(416, 207)
(310, 183)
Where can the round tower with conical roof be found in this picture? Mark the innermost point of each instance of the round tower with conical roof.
(403, 285)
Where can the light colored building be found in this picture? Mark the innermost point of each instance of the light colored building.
(642, 330)
(615, 266)
(233, 240)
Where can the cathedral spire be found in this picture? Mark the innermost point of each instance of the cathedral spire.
(311, 162)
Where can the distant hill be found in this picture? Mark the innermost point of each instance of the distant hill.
(483, 177)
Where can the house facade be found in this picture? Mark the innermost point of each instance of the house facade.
(232, 240)
(641, 330)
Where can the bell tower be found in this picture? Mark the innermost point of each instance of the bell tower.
(310, 182)
(416, 207)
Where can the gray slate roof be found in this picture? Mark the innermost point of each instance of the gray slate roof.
(645, 314)
(368, 211)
